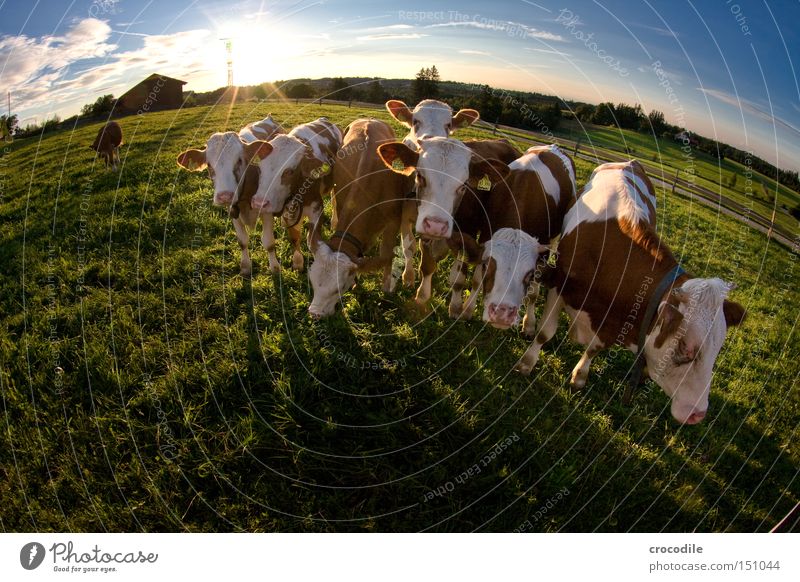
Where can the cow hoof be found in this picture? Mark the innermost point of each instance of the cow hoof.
(275, 269)
(246, 273)
(577, 385)
(455, 313)
(408, 279)
(523, 368)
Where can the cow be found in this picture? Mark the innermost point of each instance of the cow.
(449, 174)
(370, 202)
(107, 142)
(295, 174)
(611, 268)
(531, 200)
(430, 118)
(234, 181)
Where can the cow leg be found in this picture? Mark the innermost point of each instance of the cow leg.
(529, 321)
(245, 264)
(295, 234)
(268, 241)
(581, 371)
(548, 327)
(314, 213)
(387, 251)
(472, 300)
(431, 253)
(458, 278)
(407, 236)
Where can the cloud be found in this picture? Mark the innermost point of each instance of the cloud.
(749, 107)
(468, 52)
(410, 36)
(387, 27)
(548, 51)
(509, 27)
(658, 30)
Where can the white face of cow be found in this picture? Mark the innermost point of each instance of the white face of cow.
(509, 265)
(331, 275)
(224, 156)
(430, 118)
(683, 347)
(278, 168)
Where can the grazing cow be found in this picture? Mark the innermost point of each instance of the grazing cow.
(107, 142)
(613, 271)
(430, 118)
(370, 202)
(449, 174)
(295, 175)
(532, 200)
(235, 182)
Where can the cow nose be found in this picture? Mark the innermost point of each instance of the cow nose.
(314, 315)
(224, 197)
(505, 314)
(434, 227)
(695, 417)
(262, 204)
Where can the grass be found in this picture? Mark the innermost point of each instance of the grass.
(147, 387)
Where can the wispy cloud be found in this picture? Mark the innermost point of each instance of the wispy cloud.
(548, 51)
(658, 30)
(470, 52)
(409, 36)
(387, 27)
(749, 107)
(513, 29)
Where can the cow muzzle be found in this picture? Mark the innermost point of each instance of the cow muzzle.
(223, 198)
(260, 204)
(502, 316)
(435, 227)
(695, 417)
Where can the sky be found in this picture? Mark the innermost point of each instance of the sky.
(727, 69)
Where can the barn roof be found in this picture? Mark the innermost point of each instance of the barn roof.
(152, 77)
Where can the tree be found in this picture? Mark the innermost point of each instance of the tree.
(584, 112)
(654, 123)
(376, 93)
(300, 91)
(604, 114)
(8, 126)
(102, 106)
(340, 89)
(426, 84)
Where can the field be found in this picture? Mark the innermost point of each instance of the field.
(147, 387)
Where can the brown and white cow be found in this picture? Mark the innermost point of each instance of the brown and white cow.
(295, 171)
(609, 266)
(449, 175)
(235, 182)
(430, 118)
(370, 202)
(107, 142)
(529, 205)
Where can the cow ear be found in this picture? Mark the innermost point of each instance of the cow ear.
(734, 313)
(257, 151)
(193, 160)
(669, 319)
(465, 118)
(367, 264)
(399, 111)
(398, 157)
(487, 172)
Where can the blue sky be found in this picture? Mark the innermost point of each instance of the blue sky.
(727, 69)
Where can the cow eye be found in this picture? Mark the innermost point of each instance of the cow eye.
(421, 181)
(288, 172)
(528, 278)
(211, 171)
(449, 127)
(416, 125)
(461, 190)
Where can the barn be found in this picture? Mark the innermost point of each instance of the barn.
(155, 93)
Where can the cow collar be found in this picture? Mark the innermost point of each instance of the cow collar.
(655, 300)
(346, 236)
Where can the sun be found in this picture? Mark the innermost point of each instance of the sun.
(258, 53)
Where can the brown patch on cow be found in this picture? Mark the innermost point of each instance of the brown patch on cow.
(669, 320)
(734, 313)
(644, 235)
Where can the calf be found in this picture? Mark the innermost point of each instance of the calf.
(370, 202)
(449, 174)
(430, 118)
(611, 266)
(532, 201)
(235, 182)
(294, 176)
(107, 142)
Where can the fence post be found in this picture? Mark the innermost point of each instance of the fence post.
(675, 180)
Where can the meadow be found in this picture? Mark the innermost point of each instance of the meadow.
(146, 386)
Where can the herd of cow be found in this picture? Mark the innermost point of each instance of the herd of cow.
(502, 212)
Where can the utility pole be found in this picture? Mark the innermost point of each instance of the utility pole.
(9, 104)
(229, 51)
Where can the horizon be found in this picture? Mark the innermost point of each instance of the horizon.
(722, 71)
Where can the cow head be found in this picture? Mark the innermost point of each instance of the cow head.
(445, 169)
(430, 118)
(508, 266)
(286, 164)
(684, 343)
(331, 274)
(224, 156)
